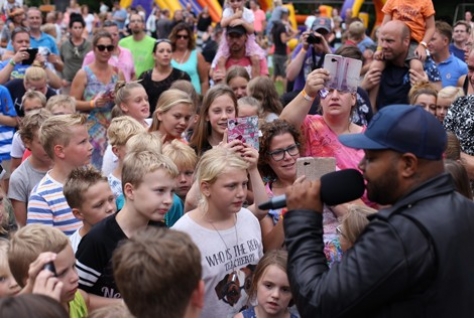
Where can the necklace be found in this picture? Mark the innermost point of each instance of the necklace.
(222, 238)
(183, 57)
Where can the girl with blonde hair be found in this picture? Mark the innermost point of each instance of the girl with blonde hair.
(227, 234)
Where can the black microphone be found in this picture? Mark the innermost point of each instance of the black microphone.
(336, 188)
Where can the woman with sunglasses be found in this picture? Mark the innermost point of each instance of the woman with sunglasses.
(186, 58)
(160, 78)
(93, 88)
(281, 145)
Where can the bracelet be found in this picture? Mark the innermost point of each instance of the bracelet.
(306, 96)
(423, 43)
(12, 62)
(91, 103)
(379, 48)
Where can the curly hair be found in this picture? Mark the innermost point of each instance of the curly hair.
(180, 27)
(269, 131)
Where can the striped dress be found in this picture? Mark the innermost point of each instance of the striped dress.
(47, 205)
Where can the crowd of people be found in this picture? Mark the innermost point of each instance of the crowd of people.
(123, 195)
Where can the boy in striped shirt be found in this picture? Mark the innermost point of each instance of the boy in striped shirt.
(66, 140)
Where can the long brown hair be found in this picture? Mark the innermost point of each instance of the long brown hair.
(203, 127)
(263, 89)
(276, 257)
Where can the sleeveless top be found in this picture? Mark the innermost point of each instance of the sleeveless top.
(191, 68)
(78, 307)
(99, 118)
(250, 313)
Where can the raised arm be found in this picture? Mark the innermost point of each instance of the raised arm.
(296, 111)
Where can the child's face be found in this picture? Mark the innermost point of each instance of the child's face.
(221, 109)
(247, 110)
(273, 291)
(236, 4)
(185, 181)
(239, 86)
(65, 264)
(99, 202)
(176, 120)
(61, 110)
(153, 197)
(228, 192)
(8, 285)
(37, 149)
(120, 151)
(31, 104)
(78, 152)
(137, 105)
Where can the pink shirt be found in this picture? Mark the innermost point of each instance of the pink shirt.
(258, 20)
(123, 62)
(247, 64)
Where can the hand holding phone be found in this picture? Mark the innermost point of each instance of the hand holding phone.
(314, 167)
(32, 52)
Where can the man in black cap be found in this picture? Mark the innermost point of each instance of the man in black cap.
(414, 259)
(309, 54)
(236, 37)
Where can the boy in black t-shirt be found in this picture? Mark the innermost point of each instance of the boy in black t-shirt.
(148, 180)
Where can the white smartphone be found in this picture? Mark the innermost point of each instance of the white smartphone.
(314, 167)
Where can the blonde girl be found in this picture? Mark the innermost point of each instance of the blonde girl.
(219, 105)
(132, 100)
(424, 94)
(227, 234)
(8, 284)
(353, 224)
(173, 113)
(446, 97)
(270, 288)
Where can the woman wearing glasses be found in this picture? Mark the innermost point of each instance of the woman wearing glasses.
(160, 78)
(93, 88)
(281, 145)
(187, 59)
(321, 131)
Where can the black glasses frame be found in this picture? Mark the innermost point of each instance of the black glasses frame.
(279, 154)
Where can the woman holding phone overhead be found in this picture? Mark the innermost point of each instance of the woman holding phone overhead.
(93, 88)
(321, 131)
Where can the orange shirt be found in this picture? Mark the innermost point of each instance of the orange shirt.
(413, 12)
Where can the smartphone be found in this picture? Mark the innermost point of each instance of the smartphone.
(333, 64)
(314, 167)
(32, 52)
(50, 266)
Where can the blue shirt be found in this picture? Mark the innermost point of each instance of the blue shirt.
(121, 14)
(45, 41)
(458, 53)
(18, 70)
(6, 132)
(451, 70)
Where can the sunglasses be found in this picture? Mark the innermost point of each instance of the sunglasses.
(181, 36)
(102, 48)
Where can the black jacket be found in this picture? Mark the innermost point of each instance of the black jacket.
(415, 259)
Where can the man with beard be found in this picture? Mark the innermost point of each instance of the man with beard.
(236, 37)
(140, 44)
(410, 261)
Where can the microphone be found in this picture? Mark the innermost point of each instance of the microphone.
(336, 188)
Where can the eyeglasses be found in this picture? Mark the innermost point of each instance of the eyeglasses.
(136, 21)
(233, 1)
(182, 36)
(101, 47)
(279, 154)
